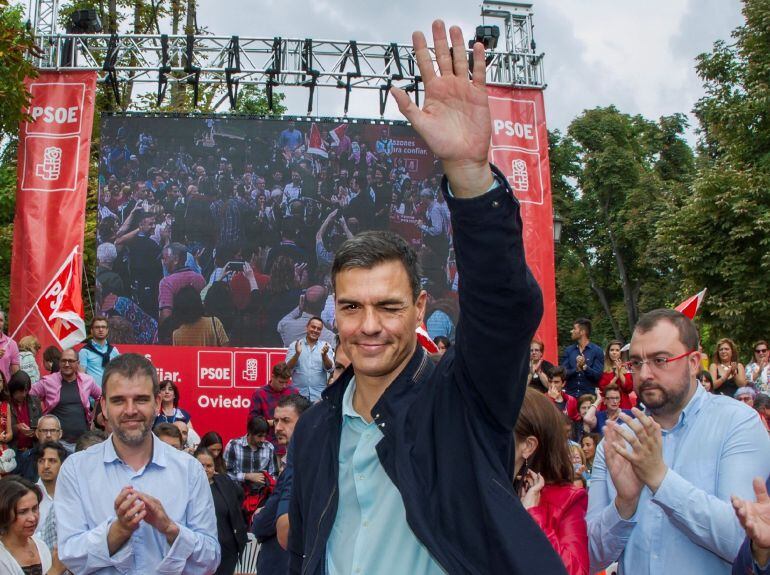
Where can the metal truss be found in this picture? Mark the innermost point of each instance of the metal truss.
(234, 61)
(45, 17)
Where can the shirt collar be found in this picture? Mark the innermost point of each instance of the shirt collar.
(347, 401)
(109, 455)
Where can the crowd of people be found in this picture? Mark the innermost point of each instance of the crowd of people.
(366, 454)
(206, 239)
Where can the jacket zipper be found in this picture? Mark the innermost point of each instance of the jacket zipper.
(318, 530)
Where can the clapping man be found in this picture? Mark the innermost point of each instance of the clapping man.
(311, 361)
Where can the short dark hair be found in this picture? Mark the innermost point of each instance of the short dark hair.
(130, 365)
(585, 324)
(295, 400)
(443, 339)
(688, 333)
(13, 488)
(56, 446)
(705, 374)
(89, 438)
(168, 430)
(281, 370)
(203, 450)
(560, 372)
(315, 318)
(19, 381)
(761, 401)
(257, 425)
(369, 249)
(188, 307)
(99, 318)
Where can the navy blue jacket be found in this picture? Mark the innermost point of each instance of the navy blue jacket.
(272, 558)
(580, 382)
(447, 427)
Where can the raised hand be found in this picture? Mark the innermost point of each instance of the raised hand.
(298, 347)
(627, 485)
(129, 509)
(454, 121)
(755, 515)
(157, 517)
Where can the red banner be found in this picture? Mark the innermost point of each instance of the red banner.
(520, 151)
(54, 151)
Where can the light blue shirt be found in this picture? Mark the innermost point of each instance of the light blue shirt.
(89, 482)
(310, 376)
(370, 533)
(688, 526)
(92, 362)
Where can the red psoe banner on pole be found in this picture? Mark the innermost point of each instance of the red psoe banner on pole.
(520, 150)
(46, 265)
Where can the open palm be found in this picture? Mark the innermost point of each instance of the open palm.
(755, 515)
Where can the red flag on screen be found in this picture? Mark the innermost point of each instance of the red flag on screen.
(315, 144)
(338, 133)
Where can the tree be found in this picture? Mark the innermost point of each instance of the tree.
(15, 43)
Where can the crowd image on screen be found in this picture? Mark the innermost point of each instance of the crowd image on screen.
(245, 216)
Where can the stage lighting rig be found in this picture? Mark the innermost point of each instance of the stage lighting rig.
(85, 21)
(487, 35)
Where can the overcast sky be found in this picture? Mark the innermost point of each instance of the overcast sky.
(638, 56)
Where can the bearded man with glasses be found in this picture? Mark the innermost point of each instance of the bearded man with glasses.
(661, 484)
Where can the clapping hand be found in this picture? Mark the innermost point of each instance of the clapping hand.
(455, 120)
(298, 347)
(755, 515)
(325, 348)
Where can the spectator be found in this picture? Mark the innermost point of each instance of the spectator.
(21, 551)
(212, 441)
(106, 254)
(435, 228)
(544, 481)
(143, 327)
(170, 411)
(48, 429)
(51, 358)
(310, 361)
(26, 411)
(190, 439)
(250, 461)
(89, 439)
(265, 398)
(442, 343)
(291, 138)
(661, 483)
(194, 328)
(754, 555)
(565, 403)
(341, 363)
(583, 361)
(29, 346)
(97, 352)
(9, 352)
(728, 373)
(51, 456)
(67, 395)
(293, 325)
(588, 444)
(540, 369)
(174, 258)
(758, 370)
(615, 372)
(746, 395)
(272, 558)
(707, 381)
(169, 433)
(762, 407)
(168, 531)
(228, 497)
(143, 258)
(579, 465)
(596, 418)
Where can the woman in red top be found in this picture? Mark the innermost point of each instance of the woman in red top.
(543, 478)
(615, 372)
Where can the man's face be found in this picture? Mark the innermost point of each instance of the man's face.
(100, 330)
(341, 363)
(145, 226)
(68, 364)
(314, 329)
(285, 419)
(747, 399)
(279, 383)
(377, 317)
(172, 441)
(665, 390)
(48, 465)
(48, 430)
(129, 406)
(556, 384)
(168, 259)
(575, 332)
(256, 439)
(183, 429)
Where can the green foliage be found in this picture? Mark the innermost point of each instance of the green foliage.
(253, 101)
(15, 43)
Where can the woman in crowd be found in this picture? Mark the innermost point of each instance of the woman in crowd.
(169, 404)
(51, 357)
(757, 371)
(539, 368)
(26, 411)
(578, 458)
(442, 343)
(544, 480)
(706, 381)
(231, 529)
(6, 423)
(728, 373)
(21, 551)
(194, 328)
(595, 419)
(588, 444)
(219, 304)
(28, 348)
(615, 372)
(213, 442)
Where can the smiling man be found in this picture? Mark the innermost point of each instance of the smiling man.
(310, 361)
(403, 467)
(141, 506)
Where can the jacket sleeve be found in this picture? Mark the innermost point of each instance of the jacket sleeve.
(263, 522)
(500, 302)
(572, 409)
(595, 367)
(570, 538)
(296, 531)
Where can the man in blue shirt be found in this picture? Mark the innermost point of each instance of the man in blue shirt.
(404, 466)
(311, 361)
(661, 483)
(97, 352)
(583, 361)
(134, 505)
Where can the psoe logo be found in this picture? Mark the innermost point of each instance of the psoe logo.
(56, 109)
(215, 369)
(514, 124)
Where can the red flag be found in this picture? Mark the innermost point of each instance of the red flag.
(338, 133)
(315, 143)
(425, 340)
(691, 305)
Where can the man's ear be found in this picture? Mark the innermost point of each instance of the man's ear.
(421, 304)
